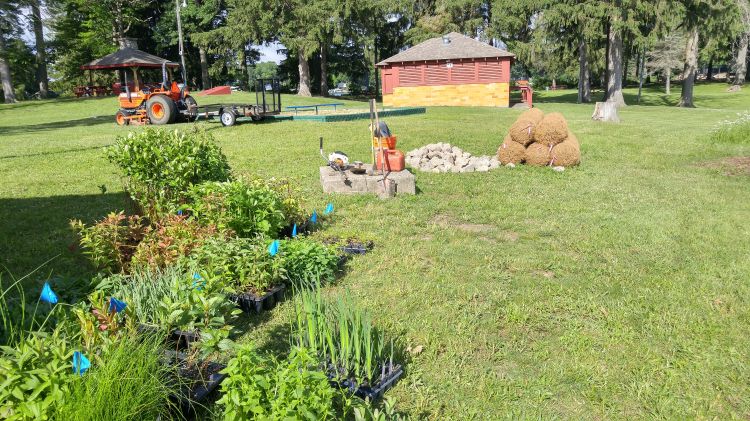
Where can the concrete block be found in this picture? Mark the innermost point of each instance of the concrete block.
(349, 183)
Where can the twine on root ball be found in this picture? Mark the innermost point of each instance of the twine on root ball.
(538, 155)
(553, 129)
(511, 152)
(567, 153)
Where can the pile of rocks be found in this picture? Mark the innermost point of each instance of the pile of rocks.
(442, 157)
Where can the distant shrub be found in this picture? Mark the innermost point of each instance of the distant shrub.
(251, 207)
(735, 131)
(111, 242)
(160, 165)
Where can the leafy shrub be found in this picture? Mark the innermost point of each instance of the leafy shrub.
(197, 304)
(342, 336)
(240, 264)
(251, 207)
(35, 376)
(111, 242)
(169, 240)
(130, 383)
(260, 388)
(99, 325)
(307, 261)
(160, 165)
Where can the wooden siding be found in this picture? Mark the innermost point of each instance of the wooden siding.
(468, 95)
(438, 73)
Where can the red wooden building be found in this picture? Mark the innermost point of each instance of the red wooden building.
(449, 70)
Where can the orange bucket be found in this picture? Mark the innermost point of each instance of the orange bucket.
(394, 160)
(388, 142)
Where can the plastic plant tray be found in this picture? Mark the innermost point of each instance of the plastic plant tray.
(251, 303)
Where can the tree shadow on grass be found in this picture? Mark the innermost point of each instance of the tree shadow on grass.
(55, 125)
(37, 229)
(55, 101)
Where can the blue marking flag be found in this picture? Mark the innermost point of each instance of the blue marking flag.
(294, 231)
(48, 295)
(198, 282)
(273, 248)
(80, 363)
(329, 208)
(314, 217)
(116, 305)
(179, 212)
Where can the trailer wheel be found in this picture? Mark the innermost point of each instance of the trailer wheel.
(228, 118)
(192, 108)
(161, 109)
(120, 119)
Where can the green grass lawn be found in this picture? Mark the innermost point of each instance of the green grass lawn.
(616, 290)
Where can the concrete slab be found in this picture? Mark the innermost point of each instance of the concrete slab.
(334, 182)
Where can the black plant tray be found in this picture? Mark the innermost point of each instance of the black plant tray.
(251, 303)
(182, 338)
(303, 228)
(371, 392)
(196, 393)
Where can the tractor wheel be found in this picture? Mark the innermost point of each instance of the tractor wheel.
(228, 118)
(192, 108)
(120, 119)
(160, 109)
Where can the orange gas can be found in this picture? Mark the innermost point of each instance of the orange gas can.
(394, 160)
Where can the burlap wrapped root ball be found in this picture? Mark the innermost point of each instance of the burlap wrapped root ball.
(522, 131)
(553, 129)
(567, 153)
(538, 155)
(510, 152)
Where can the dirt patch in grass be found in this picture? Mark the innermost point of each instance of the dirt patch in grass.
(737, 165)
(483, 231)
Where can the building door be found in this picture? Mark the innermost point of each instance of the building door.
(388, 81)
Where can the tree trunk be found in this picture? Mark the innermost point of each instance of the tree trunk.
(668, 80)
(691, 68)
(205, 81)
(41, 52)
(740, 63)
(710, 70)
(605, 83)
(5, 76)
(641, 64)
(606, 111)
(304, 75)
(584, 73)
(614, 66)
(323, 69)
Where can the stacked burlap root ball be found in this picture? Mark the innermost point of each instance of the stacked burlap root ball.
(540, 140)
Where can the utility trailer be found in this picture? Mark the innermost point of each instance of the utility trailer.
(267, 102)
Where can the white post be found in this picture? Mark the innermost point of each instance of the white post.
(179, 35)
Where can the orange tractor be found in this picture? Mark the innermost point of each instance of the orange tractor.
(143, 103)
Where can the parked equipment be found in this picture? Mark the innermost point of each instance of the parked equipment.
(142, 103)
(267, 102)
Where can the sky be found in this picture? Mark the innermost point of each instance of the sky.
(268, 52)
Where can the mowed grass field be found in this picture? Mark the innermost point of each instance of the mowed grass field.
(615, 290)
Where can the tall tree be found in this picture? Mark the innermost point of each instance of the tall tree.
(740, 59)
(666, 55)
(9, 27)
(41, 47)
(698, 14)
(615, 28)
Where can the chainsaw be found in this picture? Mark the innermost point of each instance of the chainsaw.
(337, 160)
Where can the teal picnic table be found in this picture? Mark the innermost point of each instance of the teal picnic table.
(297, 108)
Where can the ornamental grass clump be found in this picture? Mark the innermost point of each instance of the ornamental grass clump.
(343, 337)
(160, 165)
(130, 382)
